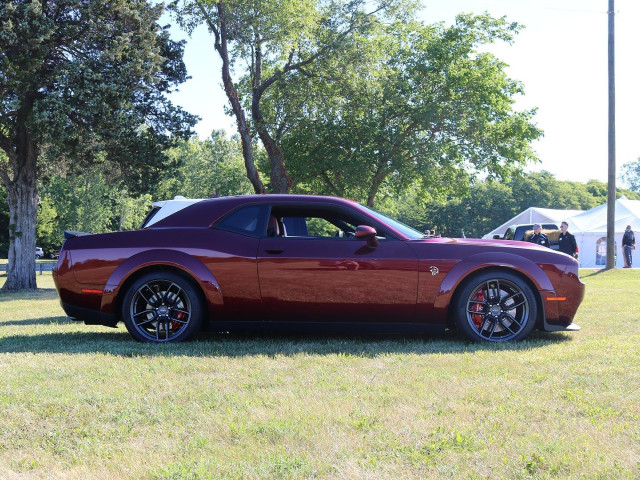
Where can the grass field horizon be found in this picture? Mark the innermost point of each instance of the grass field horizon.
(89, 402)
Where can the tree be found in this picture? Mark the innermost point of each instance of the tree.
(424, 104)
(631, 175)
(490, 203)
(213, 166)
(274, 40)
(78, 78)
(4, 223)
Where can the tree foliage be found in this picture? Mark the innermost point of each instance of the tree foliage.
(78, 78)
(422, 104)
(490, 203)
(92, 202)
(631, 174)
(211, 167)
(275, 40)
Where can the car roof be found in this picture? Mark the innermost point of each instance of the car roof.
(530, 225)
(203, 213)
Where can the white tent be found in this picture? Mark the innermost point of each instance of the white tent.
(590, 230)
(535, 215)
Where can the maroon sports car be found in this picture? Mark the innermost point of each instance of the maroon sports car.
(284, 261)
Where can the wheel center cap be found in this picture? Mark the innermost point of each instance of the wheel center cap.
(495, 310)
(163, 311)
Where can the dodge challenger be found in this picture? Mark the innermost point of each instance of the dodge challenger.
(282, 262)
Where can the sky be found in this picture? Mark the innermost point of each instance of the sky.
(560, 57)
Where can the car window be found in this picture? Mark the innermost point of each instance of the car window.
(246, 220)
(321, 227)
(149, 216)
(315, 221)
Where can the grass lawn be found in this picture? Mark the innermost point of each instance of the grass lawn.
(81, 402)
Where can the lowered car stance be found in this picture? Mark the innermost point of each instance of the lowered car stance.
(287, 262)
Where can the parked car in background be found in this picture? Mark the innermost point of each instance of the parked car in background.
(287, 262)
(54, 254)
(39, 253)
(522, 232)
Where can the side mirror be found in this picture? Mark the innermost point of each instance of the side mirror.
(497, 237)
(365, 232)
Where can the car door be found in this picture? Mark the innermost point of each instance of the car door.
(327, 276)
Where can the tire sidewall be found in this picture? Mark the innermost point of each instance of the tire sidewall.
(470, 284)
(195, 322)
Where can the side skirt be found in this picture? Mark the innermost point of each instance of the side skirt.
(322, 328)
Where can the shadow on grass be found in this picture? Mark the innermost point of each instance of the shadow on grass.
(594, 273)
(37, 321)
(37, 294)
(118, 342)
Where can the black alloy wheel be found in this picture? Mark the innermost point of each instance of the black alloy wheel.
(496, 307)
(162, 307)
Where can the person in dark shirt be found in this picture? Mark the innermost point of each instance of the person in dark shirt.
(567, 242)
(628, 244)
(538, 237)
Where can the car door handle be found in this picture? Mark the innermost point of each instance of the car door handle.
(275, 251)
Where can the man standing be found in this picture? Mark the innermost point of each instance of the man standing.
(628, 244)
(567, 242)
(538, 237)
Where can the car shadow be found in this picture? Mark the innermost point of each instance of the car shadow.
(119, 342)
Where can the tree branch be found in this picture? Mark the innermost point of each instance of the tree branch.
(296, 66)
(210, 23)
(5, 143)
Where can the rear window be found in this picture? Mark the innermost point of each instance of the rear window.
(246, 220)
(149, 216)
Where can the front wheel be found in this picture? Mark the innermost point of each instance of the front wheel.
(162, 307)
(495, 307)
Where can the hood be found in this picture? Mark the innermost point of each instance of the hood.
(482, 242)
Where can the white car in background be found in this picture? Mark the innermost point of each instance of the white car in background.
(39, 253)
(165, 208)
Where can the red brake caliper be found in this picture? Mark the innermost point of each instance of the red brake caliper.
(477, 307)
(176, 325)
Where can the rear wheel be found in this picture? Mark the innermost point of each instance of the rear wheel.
(495, 306)
(162, 307)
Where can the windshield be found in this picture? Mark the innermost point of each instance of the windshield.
(406, 230)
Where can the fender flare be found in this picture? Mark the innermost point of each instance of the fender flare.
(162, 258)
(480, 261)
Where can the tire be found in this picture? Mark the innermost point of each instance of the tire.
(162, 307)
(495, 306)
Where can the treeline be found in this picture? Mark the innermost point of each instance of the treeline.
(488, 204)
(101, 199)
(96, 201)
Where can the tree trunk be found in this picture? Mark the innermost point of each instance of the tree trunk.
(280, 181)
(23, 208)
(232, 95)
(22, 197)
(377, 180)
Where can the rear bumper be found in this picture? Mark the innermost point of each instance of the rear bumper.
(88, 316)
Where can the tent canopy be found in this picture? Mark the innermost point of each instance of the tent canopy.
(594, 221)
(535, 215)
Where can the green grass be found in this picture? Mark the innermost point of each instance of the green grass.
(88, 402)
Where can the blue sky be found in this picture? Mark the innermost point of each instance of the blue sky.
(560, 56)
